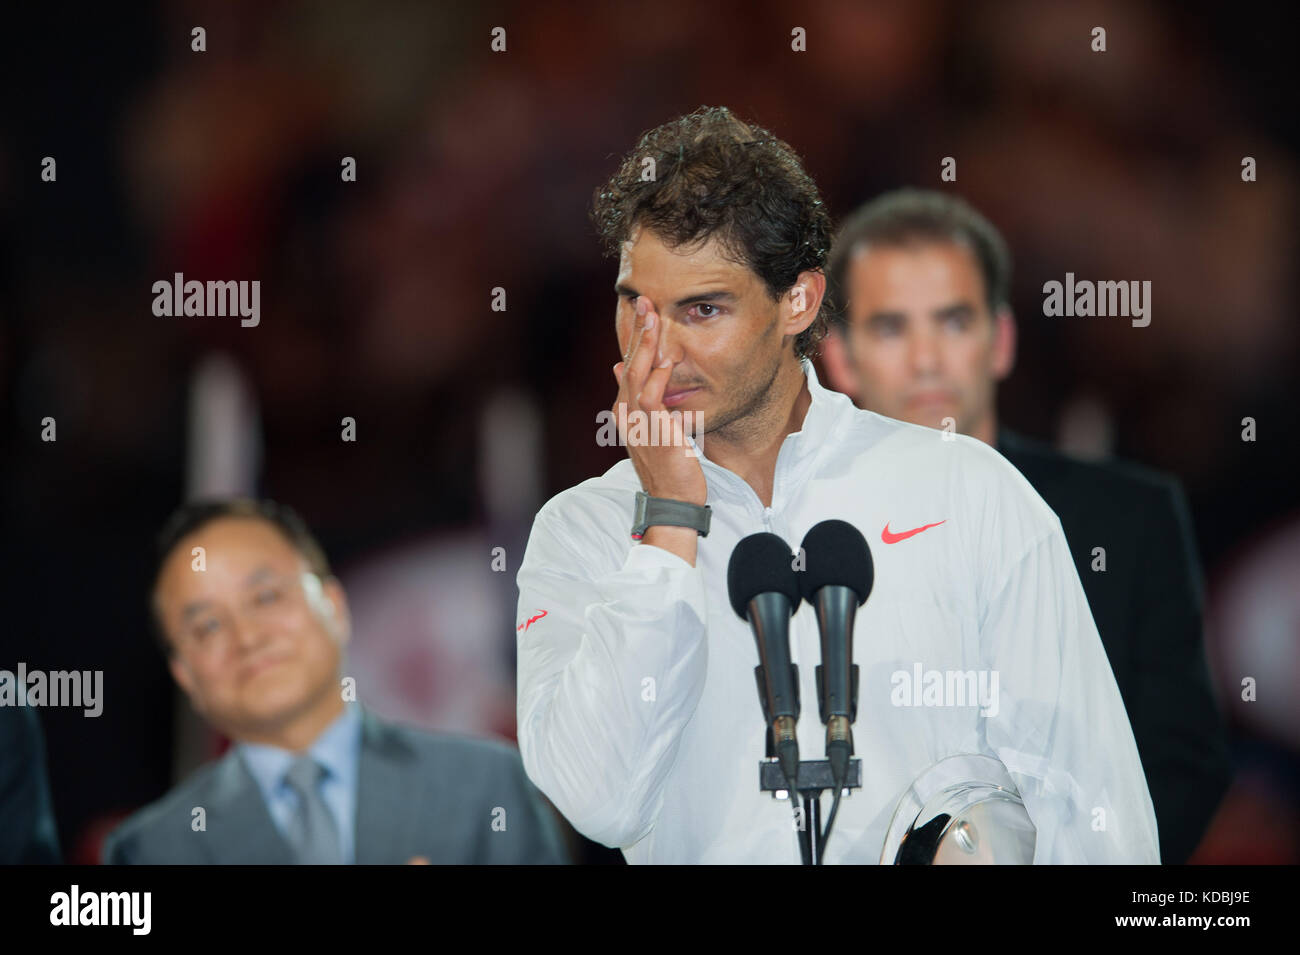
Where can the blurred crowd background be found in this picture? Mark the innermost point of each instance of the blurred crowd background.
(474, 171)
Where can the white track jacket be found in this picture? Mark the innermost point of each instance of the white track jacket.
(638, 712)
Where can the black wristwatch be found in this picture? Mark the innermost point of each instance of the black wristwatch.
(651, 511)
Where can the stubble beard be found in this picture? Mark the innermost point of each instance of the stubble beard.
(743, 417)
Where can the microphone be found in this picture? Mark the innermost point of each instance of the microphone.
(836, 580)
(764, 591)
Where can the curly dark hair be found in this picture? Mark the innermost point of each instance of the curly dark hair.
(716, 176)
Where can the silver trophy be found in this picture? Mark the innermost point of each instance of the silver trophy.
(963, 810)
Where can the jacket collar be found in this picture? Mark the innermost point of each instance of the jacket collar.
(384, 820)
(389, 802)
(337, 749)
(239, 824)
(827, 412)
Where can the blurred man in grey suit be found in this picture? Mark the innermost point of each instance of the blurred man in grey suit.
(253, 623)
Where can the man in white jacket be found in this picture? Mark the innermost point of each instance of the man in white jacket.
(638, 714)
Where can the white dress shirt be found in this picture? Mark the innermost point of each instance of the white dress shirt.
(338, 750)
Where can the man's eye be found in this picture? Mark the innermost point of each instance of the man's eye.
(713, 313)
(266, 597)
(205, 627)
(886, 326)
(957, 323)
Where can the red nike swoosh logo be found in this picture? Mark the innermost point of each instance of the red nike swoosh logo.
(531, 620)
(889, 538)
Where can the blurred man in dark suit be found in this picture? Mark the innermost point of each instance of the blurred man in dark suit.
(27, 833)
(924, 332)
(254, 624)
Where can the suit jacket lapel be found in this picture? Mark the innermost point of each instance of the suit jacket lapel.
(240, 827)
(386, 804)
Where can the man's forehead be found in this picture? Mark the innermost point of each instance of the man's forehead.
(647, 257)
(241, 545)
(935, 256)
(936, 272)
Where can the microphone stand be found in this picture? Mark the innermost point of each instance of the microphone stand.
(814, 777)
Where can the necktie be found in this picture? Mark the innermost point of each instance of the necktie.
(313, 834)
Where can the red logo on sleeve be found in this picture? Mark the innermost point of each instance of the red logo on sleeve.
(889, 538)
(531, 620)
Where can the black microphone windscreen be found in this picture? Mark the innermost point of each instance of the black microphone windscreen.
(761, 563)
(835, 552)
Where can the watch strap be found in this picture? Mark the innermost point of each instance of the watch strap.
(652, 511)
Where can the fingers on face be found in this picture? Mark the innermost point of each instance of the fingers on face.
(652, 392)
(642, 360)
(639, 366)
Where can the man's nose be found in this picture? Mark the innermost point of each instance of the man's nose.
(923, 351)
(248, 631)
(670, 343)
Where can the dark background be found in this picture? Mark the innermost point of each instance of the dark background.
(475, 170)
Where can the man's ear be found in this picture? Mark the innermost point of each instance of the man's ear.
(182, 675)
(805, 301)
(838, 364)
(1004, 343)
(335, 606)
